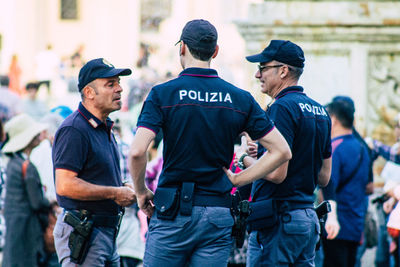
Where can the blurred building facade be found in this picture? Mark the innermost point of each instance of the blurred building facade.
(351, 48)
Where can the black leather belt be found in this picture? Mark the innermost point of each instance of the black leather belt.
(285, 206)
(213, 200)
(111, 221)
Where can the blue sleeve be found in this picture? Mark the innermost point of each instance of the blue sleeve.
(70, 149)
(328, 144)
(329, 191)
(151, 116)
(283, 120)
(258, 124)
(386, 152)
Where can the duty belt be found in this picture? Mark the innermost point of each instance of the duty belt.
(111, 221)
(213, 200)
(285, 206)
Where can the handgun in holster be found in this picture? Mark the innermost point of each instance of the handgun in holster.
(240, 210)
(322, 210)
(79, 239)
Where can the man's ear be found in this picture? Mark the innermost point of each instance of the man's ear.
(284, 72)
(182, 49)
(216, 51)
(89, 92)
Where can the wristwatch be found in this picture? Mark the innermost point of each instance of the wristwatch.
(240, 161)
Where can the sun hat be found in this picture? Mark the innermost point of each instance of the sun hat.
(21, 130)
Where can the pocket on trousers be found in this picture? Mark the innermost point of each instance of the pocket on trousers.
(179, 221)
(221, 220)
(297, 227)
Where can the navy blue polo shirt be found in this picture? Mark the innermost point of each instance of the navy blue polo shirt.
(85, 145)
(306, 126)
(201, 115)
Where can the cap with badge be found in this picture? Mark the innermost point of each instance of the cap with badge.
(282, 51)
(98, 68)
(199, 34)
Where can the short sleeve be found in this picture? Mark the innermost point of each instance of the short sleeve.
(70, 149)
(283, 120)
(328, 144)
(258, 123)
(151, 116)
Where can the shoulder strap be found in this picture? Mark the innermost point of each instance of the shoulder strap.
(350, 177)
(24, 168)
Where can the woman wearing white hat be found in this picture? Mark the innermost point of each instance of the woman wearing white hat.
(24, 199)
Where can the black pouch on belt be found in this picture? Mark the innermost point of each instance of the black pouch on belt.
(263, 215)
(187, 199)
(166, 201)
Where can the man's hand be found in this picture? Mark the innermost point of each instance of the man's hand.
(369, 189)
(145, 202)
(388, 205)
(332, 226)
(125, 196)
(130, 185)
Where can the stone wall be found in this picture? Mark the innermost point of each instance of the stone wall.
(351, 48)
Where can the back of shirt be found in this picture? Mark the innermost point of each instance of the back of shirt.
(306, 126)
(201, 115)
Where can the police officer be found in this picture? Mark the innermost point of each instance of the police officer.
(288, 235)
(87, 171)
(200, 115)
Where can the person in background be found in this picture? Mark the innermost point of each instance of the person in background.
(346, 189)
(14, 73)
(386, 203)
(31, 104)
(129, 242)
(25, 206)
(10, 102)
(41, 155)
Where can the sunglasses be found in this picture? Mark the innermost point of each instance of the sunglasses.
(262, 68)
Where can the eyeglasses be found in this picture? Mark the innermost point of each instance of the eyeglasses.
(262, 68)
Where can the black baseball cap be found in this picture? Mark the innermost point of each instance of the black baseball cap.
(199, 34)
(282, 51)
(98, 68)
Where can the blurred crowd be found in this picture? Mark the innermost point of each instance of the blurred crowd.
(28, 122)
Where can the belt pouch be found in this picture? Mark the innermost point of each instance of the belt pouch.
(187, 199)
(263, 215)
(166, 201)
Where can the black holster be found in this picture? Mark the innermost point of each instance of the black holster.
(240, 210)
(79, 239)
(322, 210)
